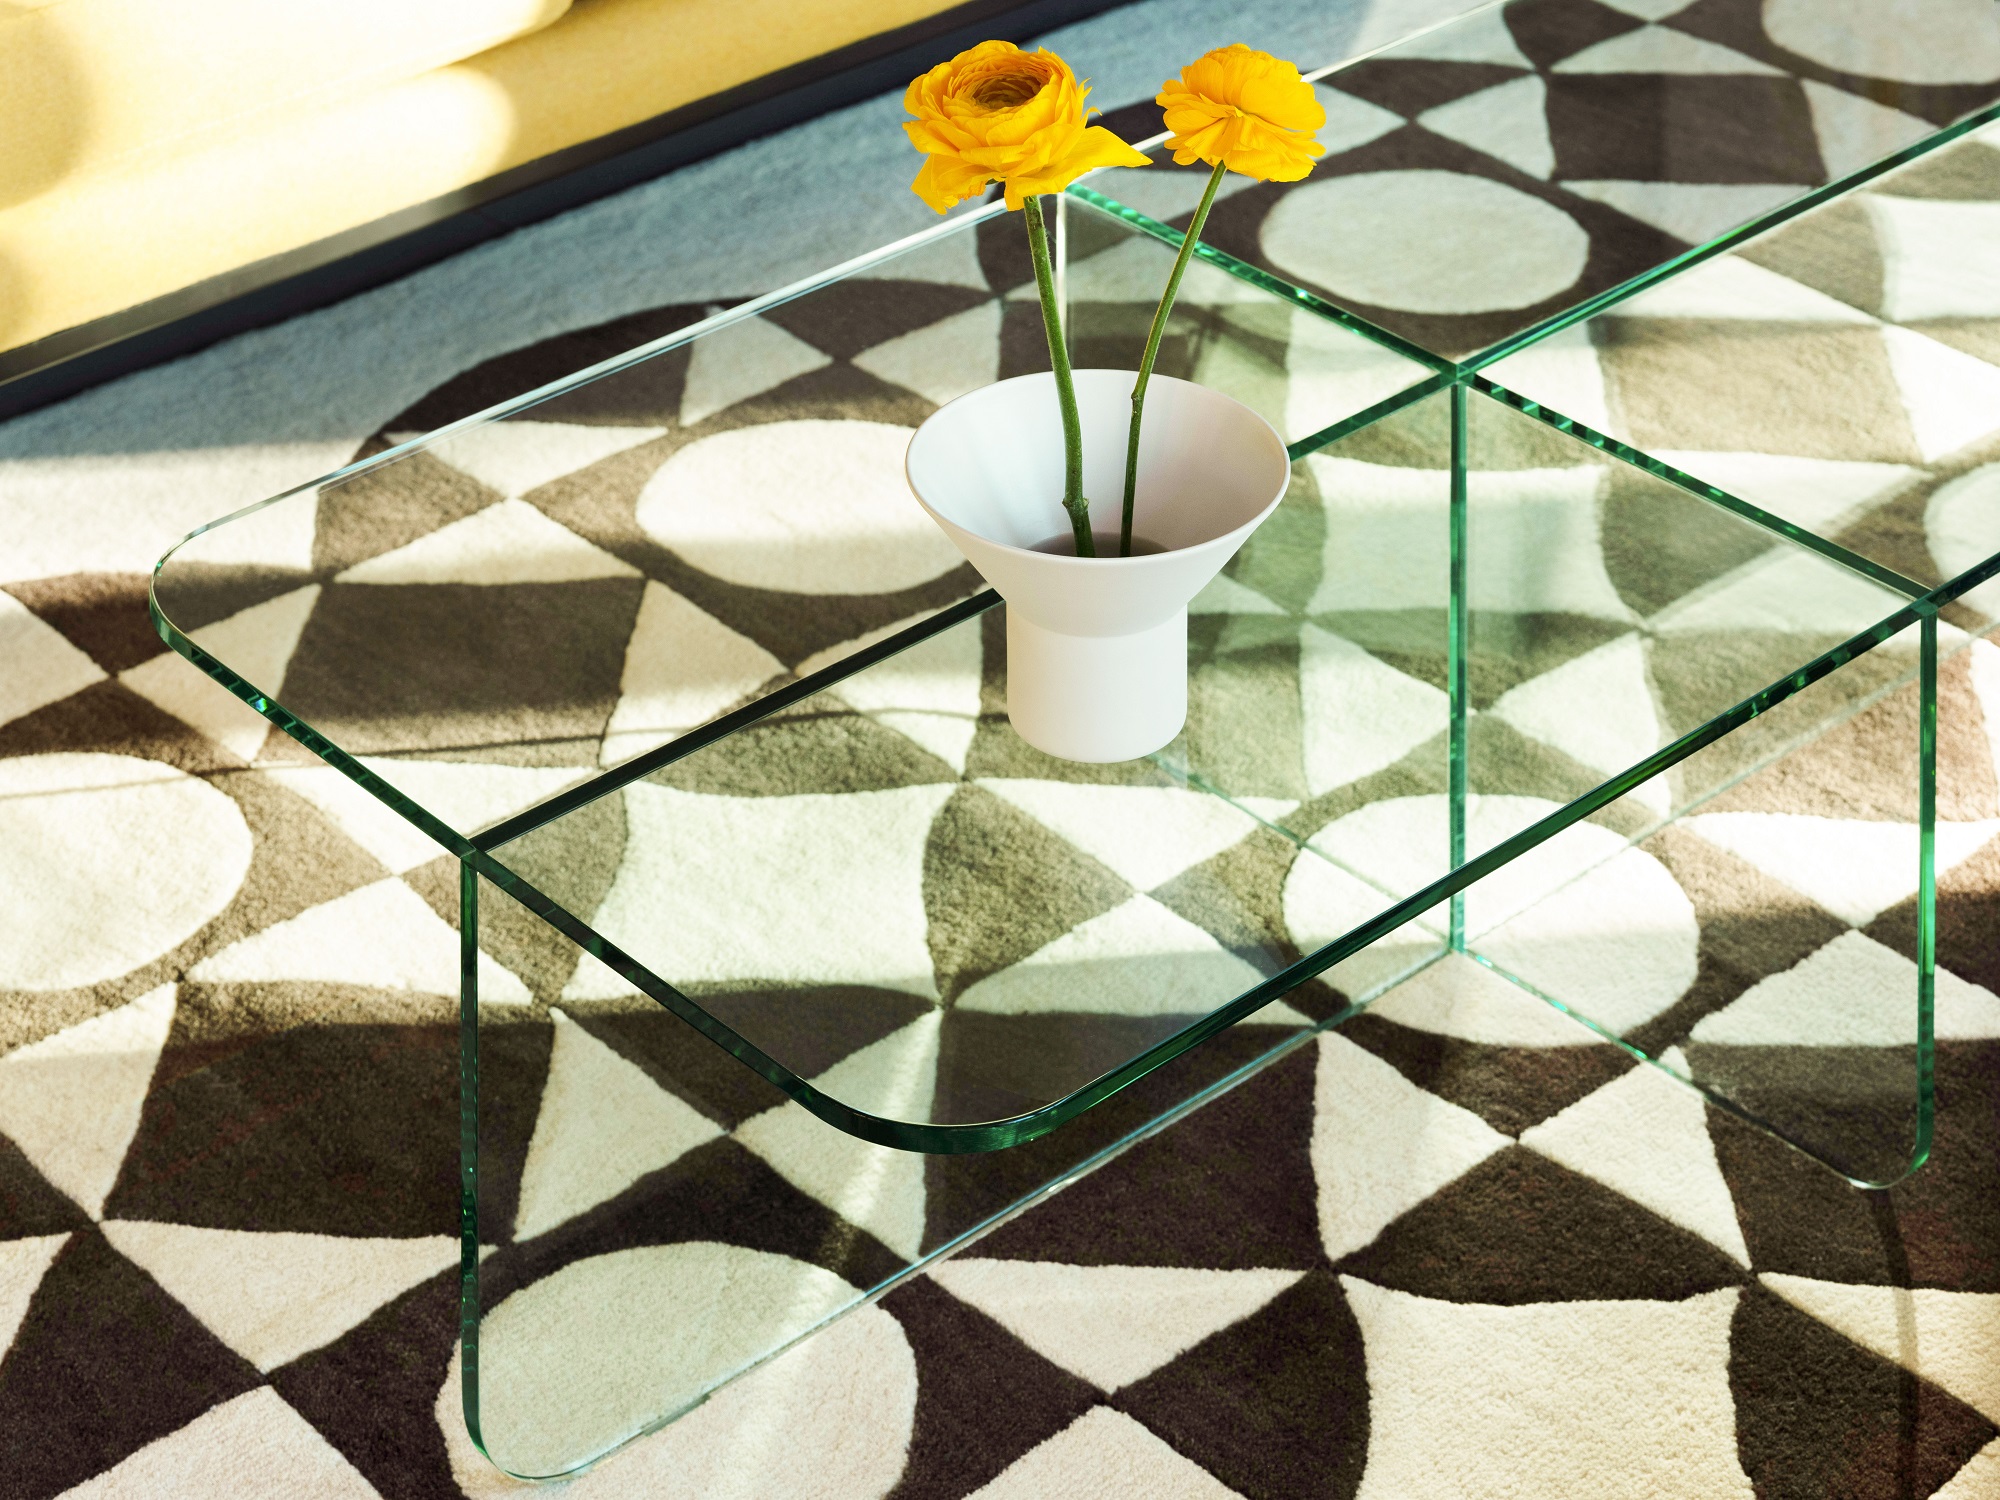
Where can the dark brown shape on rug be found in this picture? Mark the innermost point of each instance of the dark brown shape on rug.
(807, 1029)
(1002, 243)
(102, 613)
(1940, 1227)
(998, 886)
(110, 719)
(1968, 920)
(818, 746)
(963, 1193)
(846, 317)
(334, 1130)
(647, 394)
(1661, 544)
(1751, 926)
(984, 1398)
(1550, 30)
(373, 1391)
(1519, 1228)
(1274, 1406)
(994, 1067)
(527, 673)
(1411, 85)
(1866, 767)
(389, 507)
(1682, 127)
(104, 1363)
(718, 1191)
(1854, 1107)
(1818, 1415)
(1510, 1088)
(1831, 249)
(29, 1205)
(1230, 1187)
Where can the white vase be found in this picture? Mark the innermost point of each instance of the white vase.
(1097, 647)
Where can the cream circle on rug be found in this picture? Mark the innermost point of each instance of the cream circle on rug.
(1962, 526)
(1426, 241)
(809, 507)
(600, 1350)
(112, 862)
(1912, 41)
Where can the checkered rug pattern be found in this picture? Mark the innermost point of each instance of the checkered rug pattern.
(1460, 1245)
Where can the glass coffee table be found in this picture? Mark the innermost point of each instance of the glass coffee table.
(759, 896)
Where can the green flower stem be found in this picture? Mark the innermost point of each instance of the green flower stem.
(1045, 281)
(1153, 351)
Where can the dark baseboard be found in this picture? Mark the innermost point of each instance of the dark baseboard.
(282, 286)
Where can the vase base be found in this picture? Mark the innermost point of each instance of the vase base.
(1097, 698)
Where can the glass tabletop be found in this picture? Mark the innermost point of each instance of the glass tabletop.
(655, 673)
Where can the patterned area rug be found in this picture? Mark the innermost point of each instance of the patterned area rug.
(1459, 1246)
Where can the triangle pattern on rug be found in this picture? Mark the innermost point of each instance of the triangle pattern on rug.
(273, 1296)
(1855, 868)
(1103, 1453)
(1111, 1325)
(1949, 1338)
(1730, 287)
(1662, 49)
(928, 693)
(945, 360)
(1519, 1228)
(1820, 494)
(393, 839)
(1856, 132)
(1597, 709)
(1952, 399)
(1381, 1145)
(511, 542)
(1646, 1136)
(1360, 715)
(43, 665)
(471, 795)
(1138, 959)
(1853, 992)
(1145, 834)
(1692, 211)
(1509, 121)
(682, 668)
(741, 361)
(72, 1101)
(515, 457)
(254, 1444)
(23, 1263)
(409, 947)
(603, 1125)
(257, 643)
(874, 1187)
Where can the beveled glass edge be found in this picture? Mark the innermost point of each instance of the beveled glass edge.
(1701, 489)
(992, 1135)
(1730, 239)
(470, 1309)
(1925, 1040)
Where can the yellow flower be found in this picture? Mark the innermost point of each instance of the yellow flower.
(998, 114)
(1246, 109)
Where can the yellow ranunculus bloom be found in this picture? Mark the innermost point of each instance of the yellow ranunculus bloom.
(1246, 109)
(998, 114)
